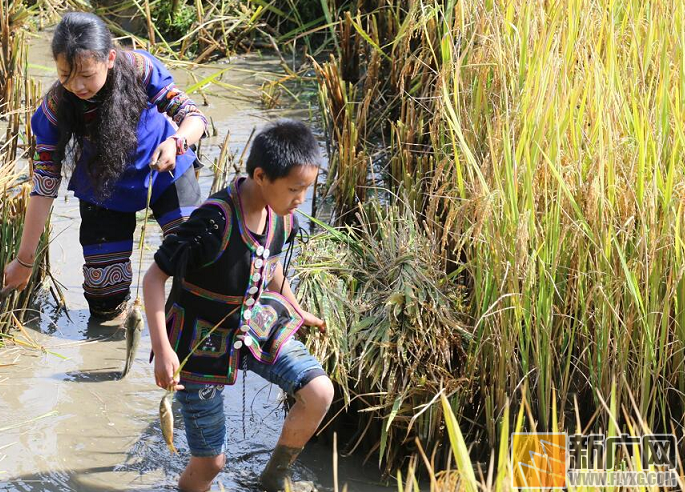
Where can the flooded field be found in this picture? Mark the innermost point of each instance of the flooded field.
(69, 424)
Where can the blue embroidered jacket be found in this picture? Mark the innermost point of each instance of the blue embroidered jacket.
(165, 102)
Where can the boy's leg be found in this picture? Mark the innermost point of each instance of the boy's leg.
(200, 473)
(297, 373)
(202, 407)
(311, 405)
(174, 206)
(107, 240)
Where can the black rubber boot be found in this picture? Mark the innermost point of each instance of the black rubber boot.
(277, 472)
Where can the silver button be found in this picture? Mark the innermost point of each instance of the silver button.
(260, 250)
(245, 328)
(249, 302)
(256, 277)
(237, 344)
(249, 341)
(247, 314)
(266, 254)
(258, 264)
(253, 290)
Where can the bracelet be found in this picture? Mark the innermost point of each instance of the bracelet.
(24, 264)
(181, 144)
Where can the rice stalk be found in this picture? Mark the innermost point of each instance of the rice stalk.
(469, 474)
(191, 29)
(538, 146)
(228, 163)
(18, 96)
(394, 329)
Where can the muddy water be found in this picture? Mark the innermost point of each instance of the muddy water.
(68, 424)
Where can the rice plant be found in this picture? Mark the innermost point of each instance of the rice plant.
(12, 16)
(203, 30)
(539, 145)
(12, 209)
(394, 332)
(497, 473)
(228, 163)
(18, 97)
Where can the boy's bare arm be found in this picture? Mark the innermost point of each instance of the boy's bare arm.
(275, 286)
(277, 281)
(153, 294)
(166, 360)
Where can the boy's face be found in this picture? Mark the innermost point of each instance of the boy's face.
(285, 194)
(88, 75)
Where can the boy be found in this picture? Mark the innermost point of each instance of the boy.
(224, 261)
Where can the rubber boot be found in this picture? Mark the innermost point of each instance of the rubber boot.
(277, 472)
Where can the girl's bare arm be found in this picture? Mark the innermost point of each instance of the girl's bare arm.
(16, 275)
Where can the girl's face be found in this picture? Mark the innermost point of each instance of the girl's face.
(87, 76)
(285, 194)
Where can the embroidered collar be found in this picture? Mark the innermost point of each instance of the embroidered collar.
(248, 238)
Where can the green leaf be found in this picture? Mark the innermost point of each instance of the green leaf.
(368, 39)
(459, 449)
(205, 81)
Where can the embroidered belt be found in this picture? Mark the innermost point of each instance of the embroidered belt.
(208, 294)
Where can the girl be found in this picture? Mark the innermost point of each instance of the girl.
(107, 116)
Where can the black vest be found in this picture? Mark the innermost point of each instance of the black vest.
(231, 285)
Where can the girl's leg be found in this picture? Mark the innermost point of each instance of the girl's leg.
(107, 240)
(178, 201)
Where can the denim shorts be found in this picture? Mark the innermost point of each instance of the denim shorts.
(202, 405)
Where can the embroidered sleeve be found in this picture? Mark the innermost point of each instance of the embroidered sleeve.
(162, 91)
(46, 174)
(176, 103)
(198, 242)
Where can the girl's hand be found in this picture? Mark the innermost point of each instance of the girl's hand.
(16, 276)
(164, 156)
(311, 320)
(166, 363)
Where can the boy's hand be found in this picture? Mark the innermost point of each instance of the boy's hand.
(311, 320)
(166, 364)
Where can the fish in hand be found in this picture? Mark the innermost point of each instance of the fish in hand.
(166, 419)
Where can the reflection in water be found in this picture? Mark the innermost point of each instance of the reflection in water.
(73, 480)
(96, 376)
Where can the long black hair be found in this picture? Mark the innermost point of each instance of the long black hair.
(121, 101)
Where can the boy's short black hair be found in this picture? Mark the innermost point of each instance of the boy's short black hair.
(282, 145)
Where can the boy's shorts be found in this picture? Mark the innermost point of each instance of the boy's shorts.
(202, 405)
